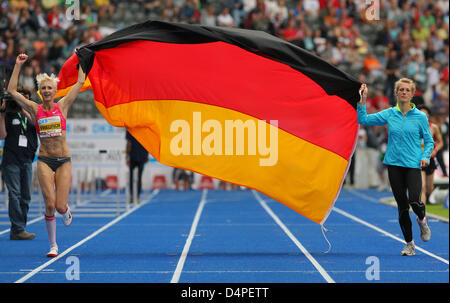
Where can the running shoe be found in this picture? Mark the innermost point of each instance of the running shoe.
(425, 231)
(67, 217)
(409, 249)
(53, 252)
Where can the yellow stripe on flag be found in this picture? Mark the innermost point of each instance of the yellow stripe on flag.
(150, 122)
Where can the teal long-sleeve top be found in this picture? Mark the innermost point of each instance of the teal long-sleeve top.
(405, 134)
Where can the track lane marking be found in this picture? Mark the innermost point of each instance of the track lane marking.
(187, 245)
(103, 228)
(314, 262)
(346, 214)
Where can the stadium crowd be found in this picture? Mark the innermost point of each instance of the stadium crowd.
(376, 41)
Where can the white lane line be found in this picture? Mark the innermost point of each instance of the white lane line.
(40, 268)
(346, 214)
(179, 268)
(364, 196)
(28, 223)
(316, 264)
(103, 194)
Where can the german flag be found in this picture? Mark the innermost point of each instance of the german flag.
(237, 105)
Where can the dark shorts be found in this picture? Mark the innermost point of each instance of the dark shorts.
(429, 170)
(54, 162)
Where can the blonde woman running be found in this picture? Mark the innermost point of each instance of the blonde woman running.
(53, 166)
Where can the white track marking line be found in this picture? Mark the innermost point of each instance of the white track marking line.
(346, 214)
(364, 196)
(361, 195)
(40, 268)
(316, 264)
(28, 223)
(103, 194)
(187, 245)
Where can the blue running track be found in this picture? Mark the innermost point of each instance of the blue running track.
(225, 237)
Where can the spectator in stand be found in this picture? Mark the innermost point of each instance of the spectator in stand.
(353, 57)
(416, 49)
(225, 19)
(337, 54)
(432, 73)
(345, 20)
(71, 40)
(2, 44)
(421, 33)
(237, 11)
(282, 10)
(88, 17)
(429, 53)
(416, 70)
(53, 18)
(292, 33)
(8, 59)
(319, 41)
(407, 13)
(188, 12)
(297, 11)
(3, 15)
(208, 17)
(271, 8)
(260, 20)
(379, 101)
(308, 42)
(11, 31)
(38, 19)
(249, 5)
(392, 71)
(372, 66)
(427, 19)
(26, 80)
(276, 24)
(311, 7)
(331, 19)
(55, 54)
(435, 40)
(394, 12)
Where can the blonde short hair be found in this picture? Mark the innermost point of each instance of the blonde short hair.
(44, 77)
(407, 81)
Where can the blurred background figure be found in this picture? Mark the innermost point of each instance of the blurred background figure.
(136, 158)
(182, 179)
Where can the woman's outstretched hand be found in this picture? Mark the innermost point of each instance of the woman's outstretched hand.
(363, 93)
(21, 59)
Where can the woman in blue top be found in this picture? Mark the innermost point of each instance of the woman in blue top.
(404, 157)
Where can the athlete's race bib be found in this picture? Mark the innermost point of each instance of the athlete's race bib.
(50, 127)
